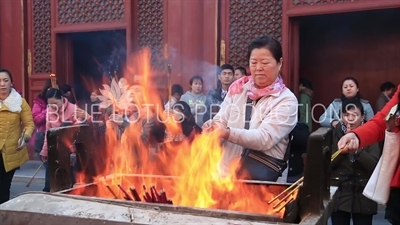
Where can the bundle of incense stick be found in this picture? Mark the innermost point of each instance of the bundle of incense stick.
(153, 196)
(21, 139)
(336, 154)
(22, 134)
(294, 187)
(53, 81)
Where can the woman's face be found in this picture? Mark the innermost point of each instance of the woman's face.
(349, 89)
(5, 83)
(263, 67)
(54, 103)
(197, 86)
(238, 74)
(352, 118)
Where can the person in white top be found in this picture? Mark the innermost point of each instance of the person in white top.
(273, 117)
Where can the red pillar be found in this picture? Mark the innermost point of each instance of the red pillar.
(191, 34)
(12, 42)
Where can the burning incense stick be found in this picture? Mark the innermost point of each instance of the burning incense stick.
(299, 182)
(148, 198)
(287, 196)
(127, 196)
(287, 189)
(112, 192)
(163, 197)
(135, 194)
(169, 76)
(336, 154)
(283, 206)
(154, 194)
(53, 79)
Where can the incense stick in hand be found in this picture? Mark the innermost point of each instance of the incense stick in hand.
(21, 141)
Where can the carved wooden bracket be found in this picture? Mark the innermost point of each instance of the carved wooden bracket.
(222, 53)
(29, 62)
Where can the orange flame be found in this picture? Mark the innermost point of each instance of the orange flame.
(195, 164)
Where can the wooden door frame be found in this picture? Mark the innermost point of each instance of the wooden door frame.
(61, 46)
(223, 29)
(35, 80)
(64, 59)
(291, 29)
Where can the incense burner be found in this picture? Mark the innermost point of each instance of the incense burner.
(82, 204)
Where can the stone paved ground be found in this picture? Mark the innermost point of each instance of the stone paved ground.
(24, 174)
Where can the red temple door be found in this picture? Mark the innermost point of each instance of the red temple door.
(39, 45)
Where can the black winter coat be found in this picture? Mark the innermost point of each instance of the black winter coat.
(351, 176)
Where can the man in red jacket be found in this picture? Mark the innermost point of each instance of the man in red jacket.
(374, 131)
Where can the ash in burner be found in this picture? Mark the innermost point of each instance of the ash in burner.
(152, 197)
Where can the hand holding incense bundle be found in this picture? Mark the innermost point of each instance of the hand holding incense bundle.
(21, 141)
(391, 113)
(393, 120)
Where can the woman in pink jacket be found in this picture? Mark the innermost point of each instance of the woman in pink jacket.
(39, 110)
(59, 112)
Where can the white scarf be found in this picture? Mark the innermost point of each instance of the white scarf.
(13, 101)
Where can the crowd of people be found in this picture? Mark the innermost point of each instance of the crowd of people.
(257, 118)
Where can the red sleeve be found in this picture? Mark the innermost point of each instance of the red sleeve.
(374, 130)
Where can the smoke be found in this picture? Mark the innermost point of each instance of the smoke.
(172, 53)
(190, 66)
(183, 66)
(209, 75)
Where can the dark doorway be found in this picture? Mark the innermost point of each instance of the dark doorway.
(364, 45)
(96, 57)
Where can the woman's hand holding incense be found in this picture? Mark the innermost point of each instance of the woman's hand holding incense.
(82, 114)
(393, 124)
(349, 143)
(21, 143)
(217, 128)
(207, 126)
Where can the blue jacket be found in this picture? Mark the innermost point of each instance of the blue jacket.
(213, 100)
(333, 111)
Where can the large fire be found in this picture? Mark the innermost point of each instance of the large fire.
(193, 166)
